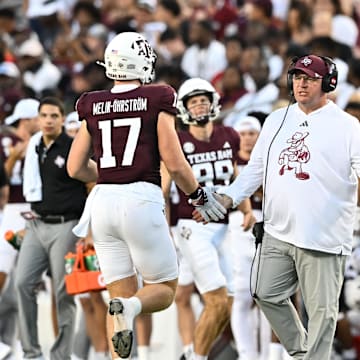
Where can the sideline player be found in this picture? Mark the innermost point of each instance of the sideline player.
(211, 151)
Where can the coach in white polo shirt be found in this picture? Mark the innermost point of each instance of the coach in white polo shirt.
(307, 158)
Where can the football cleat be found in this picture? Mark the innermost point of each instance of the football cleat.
(123, 337)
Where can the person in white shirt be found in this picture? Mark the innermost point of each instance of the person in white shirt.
(261, 96)
(307, 158)
(206, 56)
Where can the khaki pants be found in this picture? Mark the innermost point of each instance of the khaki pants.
(43, 248)
(282, 269)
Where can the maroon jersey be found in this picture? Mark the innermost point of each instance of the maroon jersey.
(16, 179)
(123, 126)
(256, 198)
(212, 162)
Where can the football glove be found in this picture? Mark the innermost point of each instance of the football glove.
(205, 203)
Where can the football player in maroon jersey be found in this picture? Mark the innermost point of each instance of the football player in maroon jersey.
(211, 151)
(129, 129)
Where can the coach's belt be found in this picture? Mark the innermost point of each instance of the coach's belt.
(58, 219)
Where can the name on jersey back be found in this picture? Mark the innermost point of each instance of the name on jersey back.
(120, 105)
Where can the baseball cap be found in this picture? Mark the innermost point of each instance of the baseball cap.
(9, 69)
(149, 5)
(24, 109)
(311, 65)
(31, 47)
(247, 123)
(72, 121)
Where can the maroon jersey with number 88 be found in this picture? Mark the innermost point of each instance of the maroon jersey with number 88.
(212, 162)
(123, 126)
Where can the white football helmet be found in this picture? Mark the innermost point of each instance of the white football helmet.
(128, 56)
(193, 87)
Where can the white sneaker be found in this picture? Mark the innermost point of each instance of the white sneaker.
(5, 350)
(123, 318)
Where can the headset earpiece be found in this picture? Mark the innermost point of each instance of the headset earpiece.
(329, 81)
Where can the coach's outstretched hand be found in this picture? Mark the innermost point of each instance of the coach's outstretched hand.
(207, 205)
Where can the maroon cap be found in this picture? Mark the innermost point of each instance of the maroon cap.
(311, 65)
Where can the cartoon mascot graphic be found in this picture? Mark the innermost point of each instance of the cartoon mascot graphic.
(294, 156)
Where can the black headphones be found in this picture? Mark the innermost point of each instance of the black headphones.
(329, 81)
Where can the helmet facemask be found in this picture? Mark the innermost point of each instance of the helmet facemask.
(203, 119)
(196, 87)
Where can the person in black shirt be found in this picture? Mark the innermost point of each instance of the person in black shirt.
(48, 237)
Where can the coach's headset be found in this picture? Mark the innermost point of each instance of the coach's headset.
(328, 82)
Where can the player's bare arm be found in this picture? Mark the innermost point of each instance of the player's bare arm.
(172, 155)
(80, 166)
(165, 186)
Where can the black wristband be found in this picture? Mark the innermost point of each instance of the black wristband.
(196, 194)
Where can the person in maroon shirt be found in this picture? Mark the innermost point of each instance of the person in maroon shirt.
(129, 129)
(211, 152)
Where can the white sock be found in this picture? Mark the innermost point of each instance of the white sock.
(132, 308)
(143, 352)
(101, 355)
(136, 304)
(188, 349)
(200, 357)
(276, 351)
(74, 357)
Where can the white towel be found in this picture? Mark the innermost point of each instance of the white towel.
(82, 228)
(32, 186)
